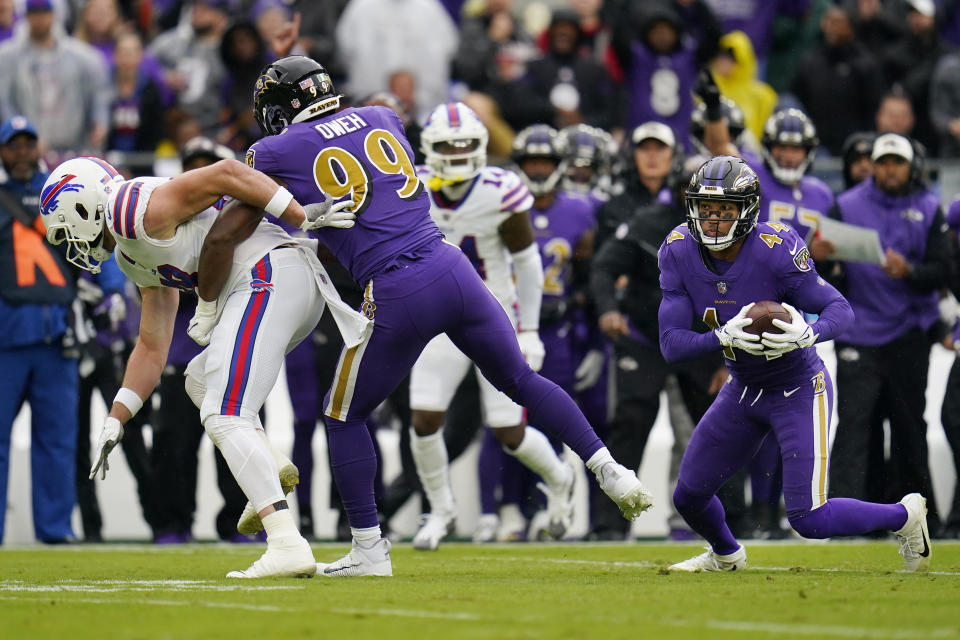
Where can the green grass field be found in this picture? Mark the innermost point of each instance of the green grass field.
(834, 590)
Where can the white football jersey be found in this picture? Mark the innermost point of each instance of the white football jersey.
(473, 224)
(150, 262)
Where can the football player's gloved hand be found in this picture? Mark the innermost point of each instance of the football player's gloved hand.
(590, 370)
(532, 348)
(110, 435)
(797, 334)
(203, 321)
(709, 92)
(732, 334)
(328, 214)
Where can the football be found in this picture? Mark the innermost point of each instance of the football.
(763, 314)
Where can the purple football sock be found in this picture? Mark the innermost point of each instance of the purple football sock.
(848, 517)
(353, 462)
(555, 413)
(705, 515)
(489, 470)
(302, 457)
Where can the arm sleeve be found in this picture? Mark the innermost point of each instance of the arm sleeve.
(934, 272)
(677, 340)
(616, 258)
(528, 269)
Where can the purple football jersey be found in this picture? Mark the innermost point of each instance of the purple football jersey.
(355, 153)
(773, 264)
(558, 230)
(660, 88)
(953, 215)
(798, 206)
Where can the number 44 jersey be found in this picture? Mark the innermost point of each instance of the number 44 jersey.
(473, 224)
(359, 154)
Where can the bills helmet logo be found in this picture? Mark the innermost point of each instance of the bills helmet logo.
(49, 196)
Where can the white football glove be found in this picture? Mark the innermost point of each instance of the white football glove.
(797, 334)
(590, 370)
(203, 321)
(732, 334)
(328, 214)
(110, 435)
(532, 348)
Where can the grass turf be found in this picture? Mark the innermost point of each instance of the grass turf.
(835, 590)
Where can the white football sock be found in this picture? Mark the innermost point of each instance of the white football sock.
(600, 458)
(280, 523)
(367, 537)
(430, 456)
(536, 453)
(248, 455)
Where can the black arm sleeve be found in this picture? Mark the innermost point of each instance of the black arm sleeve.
(616, 258)
(934, 271)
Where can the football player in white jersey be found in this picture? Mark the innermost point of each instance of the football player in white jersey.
(276, 290)
(485, 211)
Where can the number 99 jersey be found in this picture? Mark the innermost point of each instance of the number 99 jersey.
(359, 154)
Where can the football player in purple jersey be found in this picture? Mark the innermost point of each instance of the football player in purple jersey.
(415, 287)
(715, 267)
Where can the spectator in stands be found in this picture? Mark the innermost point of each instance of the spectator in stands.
(735, 71)
(136, 112)
(885, 357)
(755, 18)
(911, 63)
(36, 290)
(318, 22)
(493, 46)
(378, 37)
(561, 87)
(99, 26)
(8, 19)
(895, 114)
(878, 28)
(945, 105)
(243, 53)
(191, 58)
(660, 66)
(838, 82)
(58, 82)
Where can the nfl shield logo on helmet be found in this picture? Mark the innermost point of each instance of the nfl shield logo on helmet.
(722, 287)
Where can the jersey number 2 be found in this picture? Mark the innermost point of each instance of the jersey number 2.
(339, 173)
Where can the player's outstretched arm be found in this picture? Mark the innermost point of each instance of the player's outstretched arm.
(190, 193)
(144, 366)
(517, 234)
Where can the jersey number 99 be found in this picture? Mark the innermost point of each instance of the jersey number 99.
(339, 173)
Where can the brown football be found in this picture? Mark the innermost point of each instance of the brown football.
(763, 314)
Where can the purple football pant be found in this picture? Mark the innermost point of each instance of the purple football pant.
(730, 434)
(301, 364)
(434, 291)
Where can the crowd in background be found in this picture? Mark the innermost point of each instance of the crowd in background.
(159, 86)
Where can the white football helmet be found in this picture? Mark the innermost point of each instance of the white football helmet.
(73, 207)
(454, 141)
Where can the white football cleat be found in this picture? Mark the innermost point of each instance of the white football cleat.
(914, 537)
(289, 557)
(249, 523)
(486, 531)
(711, 561)
(513, 526)
(560, 504)
(625, 489)
(434, 527)
(372, 561)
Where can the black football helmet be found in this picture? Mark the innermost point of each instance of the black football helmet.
(292, 89)
(540, 141)
(793, 127)
(726, 179)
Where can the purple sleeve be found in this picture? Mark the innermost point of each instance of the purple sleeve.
(677, 340)
(813, 294)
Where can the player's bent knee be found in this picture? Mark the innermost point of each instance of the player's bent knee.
(218, 427)
(196, 389)
(688, 502)
(810, 524)
(427, 422)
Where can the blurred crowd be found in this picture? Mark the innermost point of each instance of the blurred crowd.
(161, 86)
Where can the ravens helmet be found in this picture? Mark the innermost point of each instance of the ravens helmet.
(789, 127)
(540, 141)
(292, 89)
(723, 179)
(589, 152)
